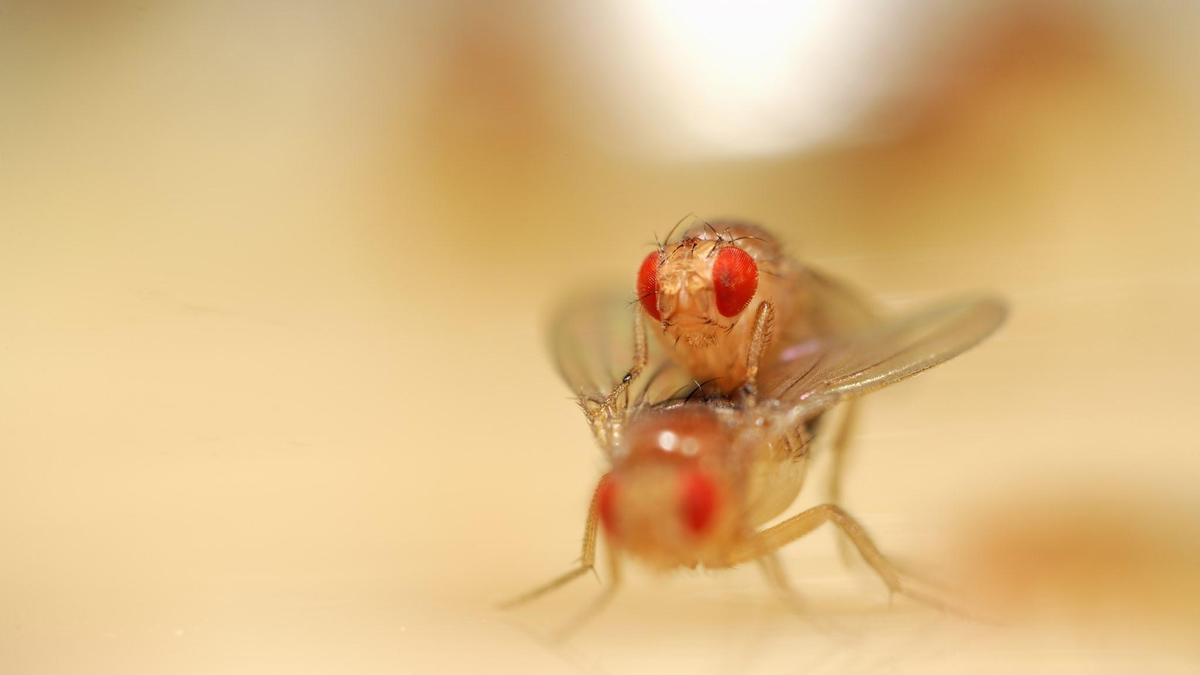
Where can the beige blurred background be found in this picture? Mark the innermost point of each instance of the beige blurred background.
(274, 280)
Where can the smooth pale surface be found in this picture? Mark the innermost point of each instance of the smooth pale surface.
(273, 391)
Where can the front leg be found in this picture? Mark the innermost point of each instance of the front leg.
(641, 356)
(587, 560)
(760, 339)
(606, 416)
(606, 596)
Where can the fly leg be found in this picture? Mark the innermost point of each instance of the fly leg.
(606, 416)
(841, 429)
(641, 355)
(773, 571)
(774, 538)
(760, 339)
(587, 560)
(598, 605)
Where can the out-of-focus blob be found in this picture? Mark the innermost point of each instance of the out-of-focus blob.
(1008, 60)
(1087, 561)
(716, 78)
(712, 79)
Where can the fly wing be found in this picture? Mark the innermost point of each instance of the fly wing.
(838, 306)
(591, 336)
(811, 377)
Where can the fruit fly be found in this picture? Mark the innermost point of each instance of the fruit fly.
(692, 482)
(727, 300)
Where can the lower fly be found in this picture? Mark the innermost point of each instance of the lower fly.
(691, 483)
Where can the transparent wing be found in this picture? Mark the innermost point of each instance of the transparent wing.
(812, 376)
(838, 306)
(591, 336)
(824, 306)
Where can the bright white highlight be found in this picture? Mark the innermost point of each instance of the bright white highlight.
(747, 78)
(668, 441)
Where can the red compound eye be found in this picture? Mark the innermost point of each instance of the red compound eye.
(698, 500)
(735, 279)
(647, 285)
(605, 494)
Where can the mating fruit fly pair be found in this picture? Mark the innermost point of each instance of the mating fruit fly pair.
(710, 439)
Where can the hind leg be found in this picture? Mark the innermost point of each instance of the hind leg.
(774, 538)
(767, 541)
